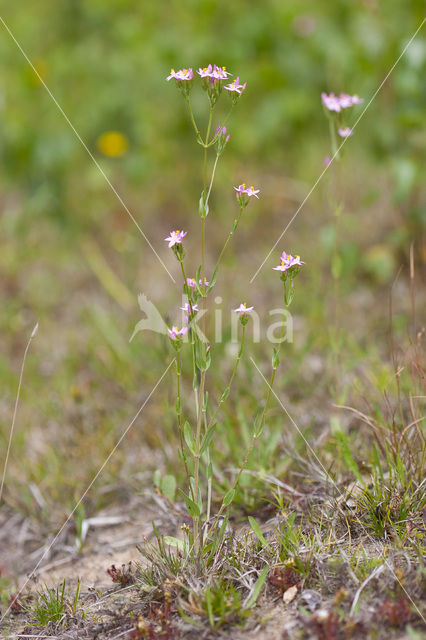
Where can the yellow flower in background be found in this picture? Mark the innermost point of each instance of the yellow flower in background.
(113, 144)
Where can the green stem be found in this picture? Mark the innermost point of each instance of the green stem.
(197, 454)
(234, 371)
(257, 429)
(194, 124)
(179, 413)
(213, 140)
(212, 178)
(231, 233)
(221, 401)
(191, 335)
(334, 146)
(203, 373)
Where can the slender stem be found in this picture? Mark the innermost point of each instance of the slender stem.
(180, 424)
(334, 147)
(209, 125)
(194, 124)
(191, 334)
(234, 371)
(213, 140)
(336, 268)
(197, 453)
(231, 233)
(274, 368)
(212, 178)
(203, 220)
(257, 429)
(209, 479)
(203, 372)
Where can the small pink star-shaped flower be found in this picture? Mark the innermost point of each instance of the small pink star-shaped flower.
(175, 237)
(176, 334)
(243, 309)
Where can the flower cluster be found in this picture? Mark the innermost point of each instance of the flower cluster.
(212, 77)
(334, 106)
(214, 72)
(287, 261)
(244, 193)
(181, 75)
(342, 101)
(289, 267)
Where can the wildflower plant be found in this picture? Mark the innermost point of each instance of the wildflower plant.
(196, 434)
(335, 108)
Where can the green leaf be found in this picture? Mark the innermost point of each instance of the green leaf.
(189, 438)
(207, 438)
(258, 533)
(197, 280)
(213, 279)
(258, 587)
(168, 487)
(400, 469)
(203, 205)
(209, 606)
(228, 498)
(210, 471)
(175, 542)
(260, 430)
(188, 618)
(225, 394)
(193, 508)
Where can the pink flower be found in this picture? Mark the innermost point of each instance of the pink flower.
(221, 131)
(287, 261)
(342, 101)
(235, 86)
(220, 73)
(187, 307)
(205, 72)
(175, 237)
(327, 161)
(249, 191)
(345, 132)
(243, 309)
(331, 102)
(177, 334)
(348, 101)
(214, 72)
(191, 282)
(182, 74)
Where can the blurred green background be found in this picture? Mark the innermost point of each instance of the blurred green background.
(71, 258)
